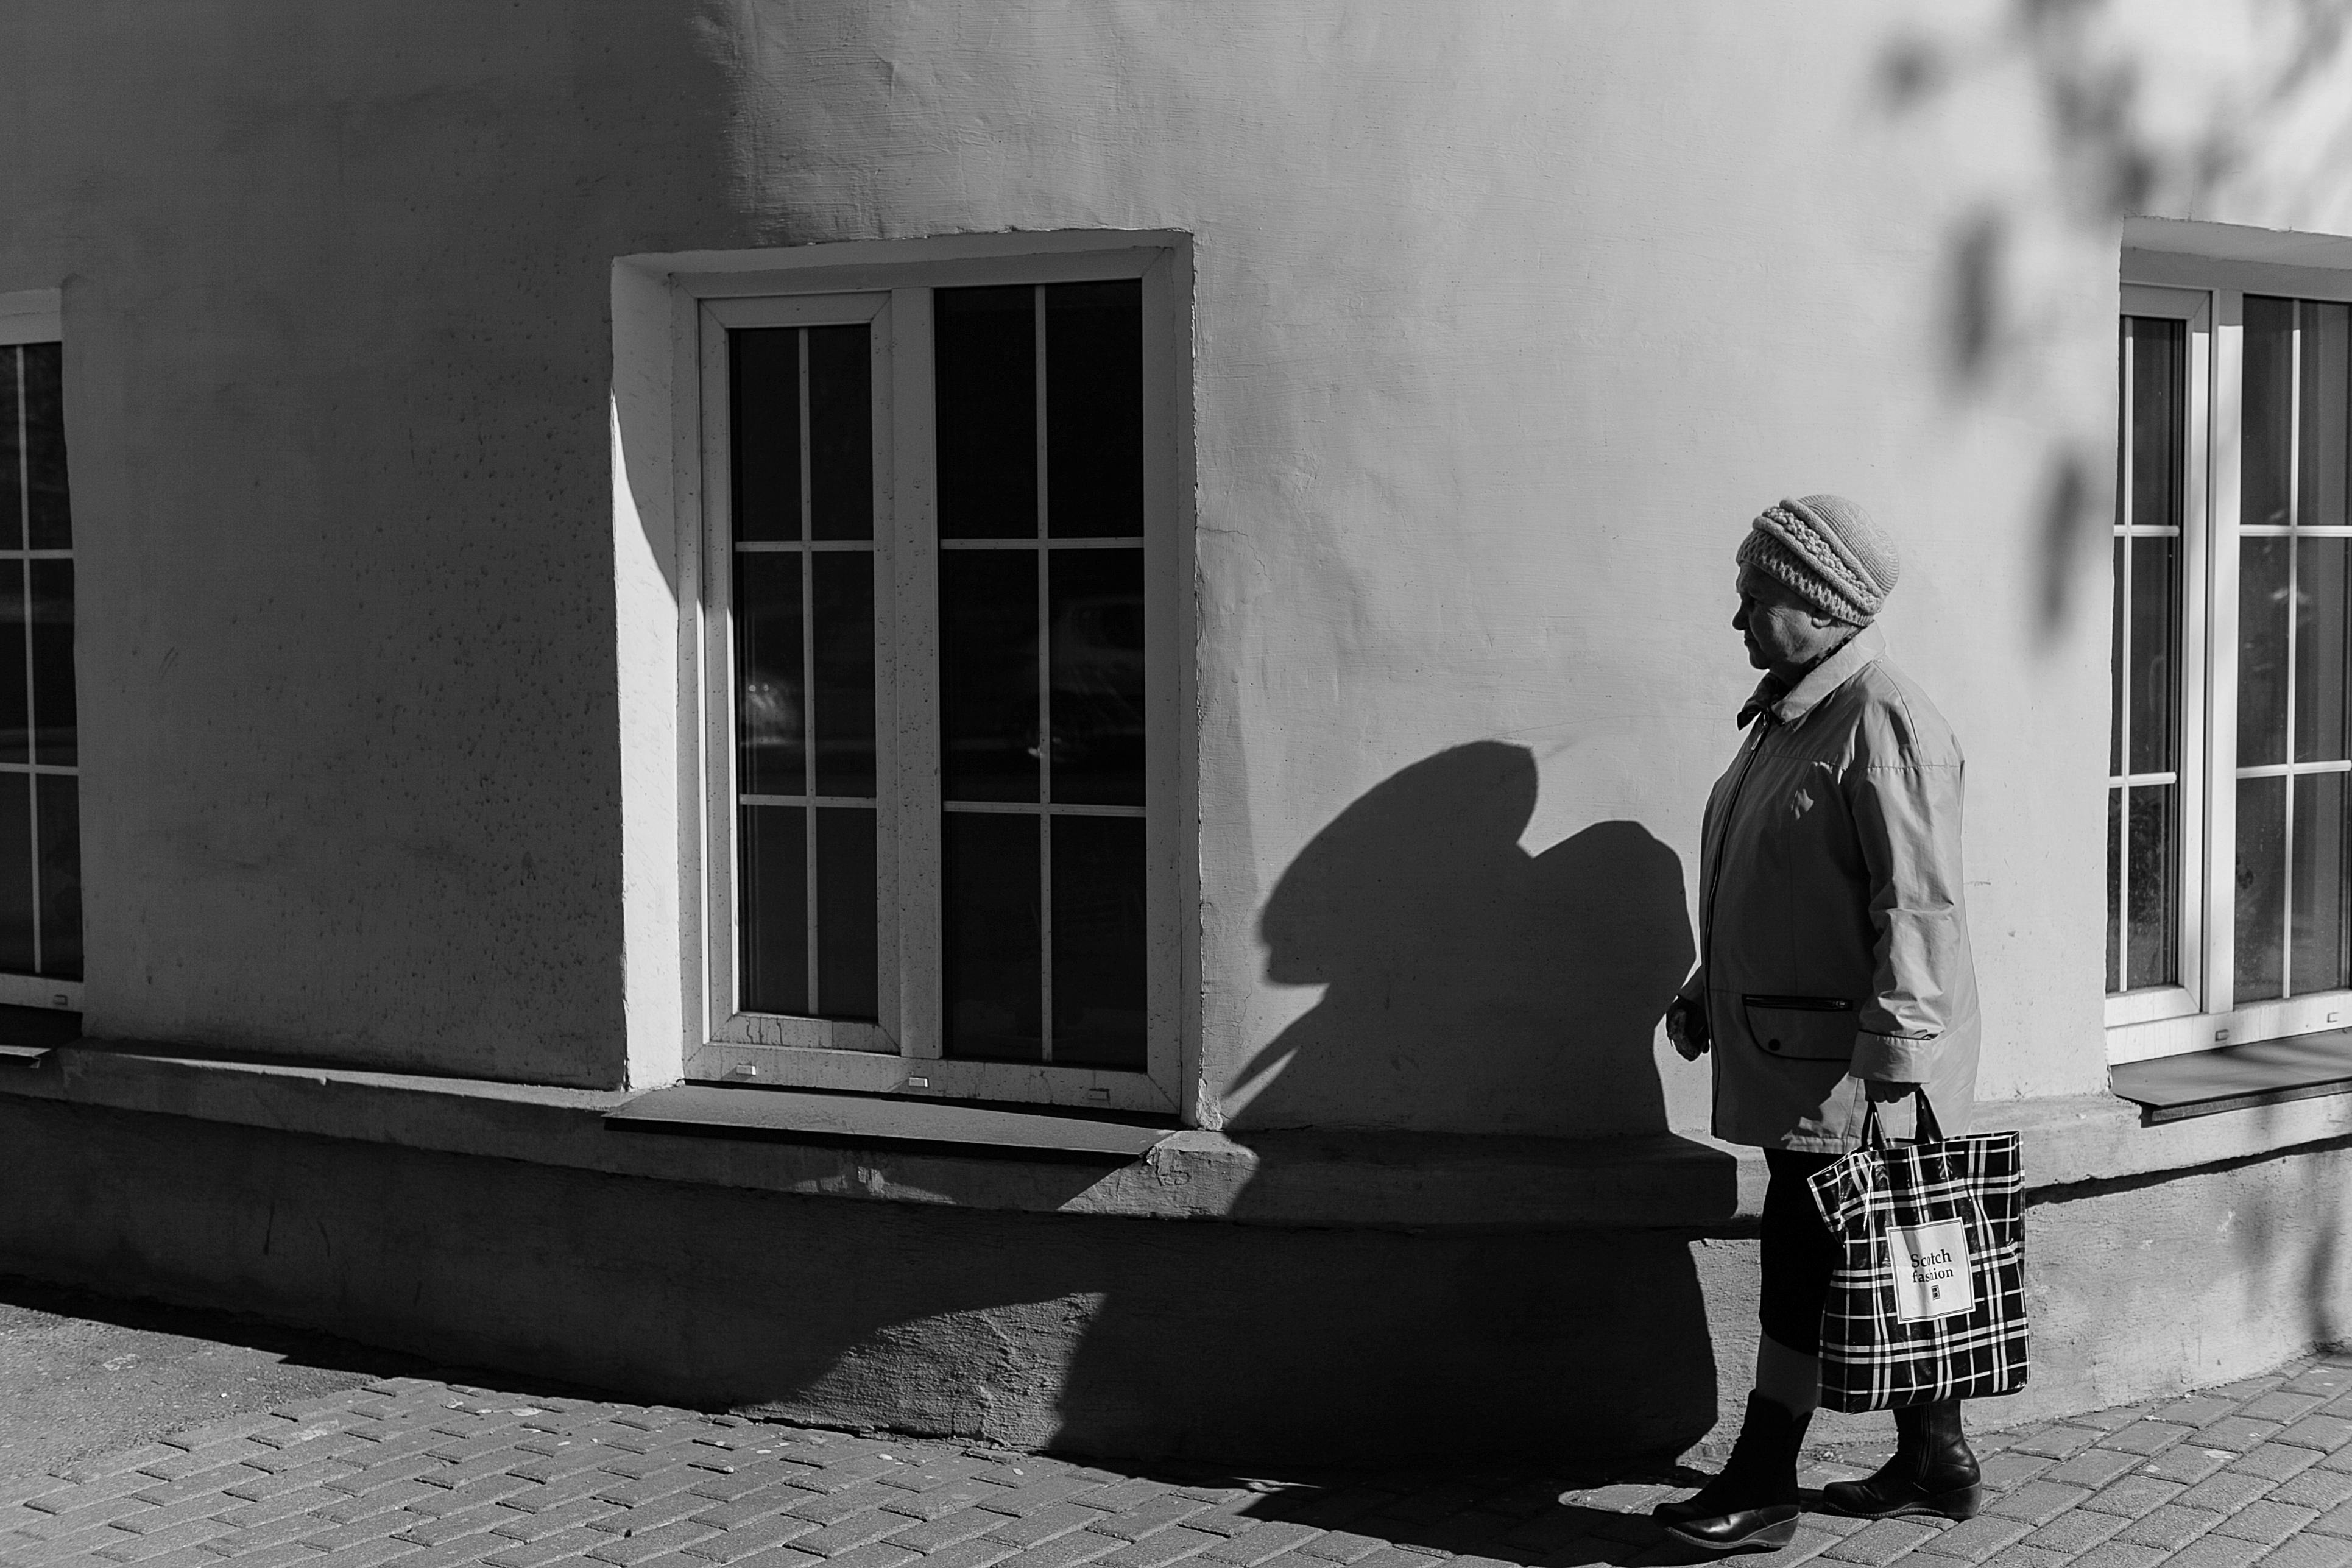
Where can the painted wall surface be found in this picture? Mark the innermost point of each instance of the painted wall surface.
(1110, 1336)
(1509, 316)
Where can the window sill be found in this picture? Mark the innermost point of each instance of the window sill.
(866, 1148)
(2238, 1078)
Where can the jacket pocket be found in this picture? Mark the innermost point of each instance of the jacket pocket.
(1802, 1028)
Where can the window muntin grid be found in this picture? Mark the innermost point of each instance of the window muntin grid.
(41, 857)
(1042, 673)
(2293, 750)
(2145, 785)
(803, 569)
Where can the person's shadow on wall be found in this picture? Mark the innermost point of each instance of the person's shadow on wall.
(1468, 984)
(1470, 989)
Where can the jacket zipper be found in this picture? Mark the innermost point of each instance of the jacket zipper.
(1706, 904)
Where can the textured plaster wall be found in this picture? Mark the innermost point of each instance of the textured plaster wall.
(1508, 317)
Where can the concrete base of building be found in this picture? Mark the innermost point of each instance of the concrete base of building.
(1103, 1335)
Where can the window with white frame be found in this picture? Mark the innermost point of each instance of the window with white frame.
(937, 627)
(2228, 859)
(40, 818)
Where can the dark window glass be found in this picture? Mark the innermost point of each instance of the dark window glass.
(2114, 890)
(2263, 594)
(59, 824)
(2266, 441)
(1096, 620)
(45, 446)
(56, 741)
(1098, 943)
(1094, 410)
(765, 364)
(16, 724)
(840, 433)
(2320, 884)
(773, 700)
(16, 873)
(2155, 887)
(843, 720)
(986, 376)
(2115, 624)
(2155, 672)
(2323, 646)
(988, 675)
(12, 450)
(2321, 442)
(993, 991)
(774, 914)
(846, 913)
(2261, 889)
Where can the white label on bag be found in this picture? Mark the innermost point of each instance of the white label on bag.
(1932, 1277)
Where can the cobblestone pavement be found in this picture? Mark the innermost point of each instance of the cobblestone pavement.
(424, 1474)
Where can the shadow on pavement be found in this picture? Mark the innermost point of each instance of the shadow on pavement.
(83, 1373)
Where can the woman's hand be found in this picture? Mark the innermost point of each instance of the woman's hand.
(1687, 1028)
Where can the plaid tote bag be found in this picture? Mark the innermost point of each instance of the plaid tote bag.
(1927, 1301)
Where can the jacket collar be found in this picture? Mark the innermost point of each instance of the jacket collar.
(1787, 705)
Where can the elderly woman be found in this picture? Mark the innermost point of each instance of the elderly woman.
(1833, 970)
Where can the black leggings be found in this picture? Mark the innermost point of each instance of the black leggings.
(1798, 1252)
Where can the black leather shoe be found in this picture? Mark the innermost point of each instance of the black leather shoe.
(1752, 1505)
(1747, 1530)
(1933, 1471)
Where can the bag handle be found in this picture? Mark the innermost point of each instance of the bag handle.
(1925, 1130)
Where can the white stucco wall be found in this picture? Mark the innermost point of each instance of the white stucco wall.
(1509, 316)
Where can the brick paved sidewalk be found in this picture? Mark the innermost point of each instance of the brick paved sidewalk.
(423, 1474)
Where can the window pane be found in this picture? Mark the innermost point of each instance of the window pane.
(2319, 885)
(2266, 441)
(45, 447)
(15, 873)
(59, 798)
(843, 720)
(2262, 651)
(2320, 437)
(771, 701)
(841, 434)
(766, 366)
(2262, 891)
(12, 513)
(1097, 706)
(2155, 663)
(2116, 661)
(1098, 943)
(988, 674)
(993, 980)
(2159, 416)
(55, 739)
(2155, 882)
(15, 733)
(846, 986)
(1094, 410)
(772, 917)
(2321, 647)
(986, 368)
(2114, 890)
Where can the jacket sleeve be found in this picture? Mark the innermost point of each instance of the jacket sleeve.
(1907, 814)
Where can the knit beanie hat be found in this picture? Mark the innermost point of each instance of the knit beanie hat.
(1827, 549)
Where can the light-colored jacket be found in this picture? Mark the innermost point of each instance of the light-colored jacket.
(1833, 938)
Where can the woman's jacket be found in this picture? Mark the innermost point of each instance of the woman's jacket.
(1833, 935)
